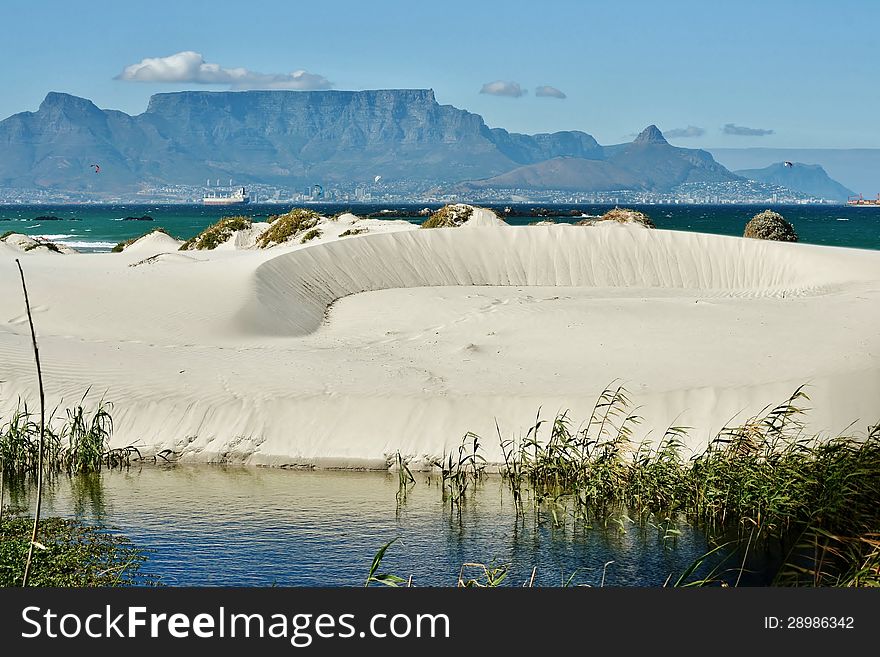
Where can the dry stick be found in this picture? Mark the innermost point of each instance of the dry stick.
(30, 555)
(1, 494)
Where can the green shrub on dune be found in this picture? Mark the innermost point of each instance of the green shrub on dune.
(621, 216)
(312, 234)
(285, 226)
(51, 246)
(35, 243)
(769, 225)
(214, 235)
(449, 216)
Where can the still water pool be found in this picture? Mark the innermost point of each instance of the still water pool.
(238, 526)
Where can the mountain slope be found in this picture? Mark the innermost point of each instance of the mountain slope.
(648, 163)
(855, 168)
(806, 178)
(563, 173)
(280, 137)
(297, 138)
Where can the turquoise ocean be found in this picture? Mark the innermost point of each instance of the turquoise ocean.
(96, 228)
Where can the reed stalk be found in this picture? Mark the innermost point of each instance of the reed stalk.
(30, 554)
(2, 490)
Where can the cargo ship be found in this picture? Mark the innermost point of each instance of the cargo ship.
(238, 197)
(861, 202)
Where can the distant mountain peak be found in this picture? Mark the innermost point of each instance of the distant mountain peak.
(57, 99)
(650, 135)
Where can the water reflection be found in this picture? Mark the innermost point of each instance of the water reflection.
(238, 526)
(87, 495)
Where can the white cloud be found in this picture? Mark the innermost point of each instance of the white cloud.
(502, 88)
(679, 133)
(743, 131)
(191, 67)
(547, 91)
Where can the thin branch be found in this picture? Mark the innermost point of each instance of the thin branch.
(30, 555)
(1, 493)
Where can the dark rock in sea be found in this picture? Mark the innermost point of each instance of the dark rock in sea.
(48, 217)
(146, 217)
(389, 213)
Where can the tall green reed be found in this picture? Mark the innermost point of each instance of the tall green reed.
(761, 481)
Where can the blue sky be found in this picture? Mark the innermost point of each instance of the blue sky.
(802, 73)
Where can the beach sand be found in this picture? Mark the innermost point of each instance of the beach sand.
(342, 351)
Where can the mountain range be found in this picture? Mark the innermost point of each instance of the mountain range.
(856, 168)
(806, 178)
(647, 163)
(297, 138)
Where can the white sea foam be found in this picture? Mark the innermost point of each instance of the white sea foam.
(80, 244)
(58, 237)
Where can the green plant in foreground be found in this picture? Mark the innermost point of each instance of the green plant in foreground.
(760, 484)
(79, 442)
(489, 576)
(382, 578)
(68, 553)
(461, 470)
(405, 479)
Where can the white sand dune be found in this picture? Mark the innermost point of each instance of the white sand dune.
(153, 243)
(344, 350)
(21, 243)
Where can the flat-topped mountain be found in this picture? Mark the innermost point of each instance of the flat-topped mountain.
(297, 138)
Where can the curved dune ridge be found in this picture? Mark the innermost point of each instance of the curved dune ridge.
(234, 356)
(293, 291)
